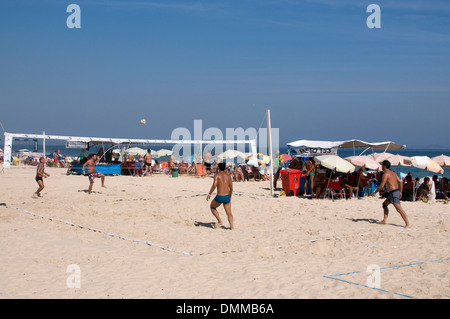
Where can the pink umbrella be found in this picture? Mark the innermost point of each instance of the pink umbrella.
(395, 160)
(364, 162)
(379, 157)
(285, 157)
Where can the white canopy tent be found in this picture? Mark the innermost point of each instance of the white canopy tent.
(117, 141)
(316, 148)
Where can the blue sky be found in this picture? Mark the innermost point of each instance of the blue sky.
(315, 64)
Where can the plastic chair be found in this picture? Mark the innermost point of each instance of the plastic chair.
(200, 170)
(334, 189)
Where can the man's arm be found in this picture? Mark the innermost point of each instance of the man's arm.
(381, 186)
(213, 187)
(231, 187)
(82, 169)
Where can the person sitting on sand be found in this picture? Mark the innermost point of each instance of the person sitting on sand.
(182, 167)
(424, 189)
(393, 182)
(192, 169)
(348, 183)
(92, 173)
(238, 174)
(445, 188)
(320, 185)
(224, 184)
(40, 174)
(408, 189)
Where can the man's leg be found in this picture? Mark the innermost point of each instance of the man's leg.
(227, 207)
(40, 188)
(103, 180)
(402, 213)
(385, 211)
(214, 211)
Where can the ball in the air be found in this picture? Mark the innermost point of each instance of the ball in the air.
(143, 122)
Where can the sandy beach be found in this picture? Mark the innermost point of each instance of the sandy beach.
(284, 247)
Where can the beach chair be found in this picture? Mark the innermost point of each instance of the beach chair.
(165, 167)
(200, 170)
(334, 189)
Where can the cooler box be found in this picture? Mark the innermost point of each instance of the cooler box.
(290, 179)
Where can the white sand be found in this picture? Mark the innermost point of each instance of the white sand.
(281, 247)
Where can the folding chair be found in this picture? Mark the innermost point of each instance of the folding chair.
(334, 189)
(200, 170)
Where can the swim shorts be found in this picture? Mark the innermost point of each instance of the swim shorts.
(222, 199)
(394, 197)
(92, 176)
(38, 178)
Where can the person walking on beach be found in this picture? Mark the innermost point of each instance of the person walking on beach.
(40, 174)
(224, 184)
(92, 173)
(394, 193)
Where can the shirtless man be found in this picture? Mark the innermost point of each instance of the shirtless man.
(148, 162)
(394, 195)
(224, 184)
(310, 170)
(40, 174)
(92, 173)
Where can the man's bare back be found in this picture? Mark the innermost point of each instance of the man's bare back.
(224, 185)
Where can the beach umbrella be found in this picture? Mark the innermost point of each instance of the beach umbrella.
(379, 157)
(136, 151)
(399, 160)
(442, 160)
(335, 162)
(262, 162)
(163, 152)
(285, 157)
(424, 162)
(364, 162)
(394, 159)
(228, 154)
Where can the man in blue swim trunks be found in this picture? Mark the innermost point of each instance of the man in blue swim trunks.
(224, 184)
(393, 182)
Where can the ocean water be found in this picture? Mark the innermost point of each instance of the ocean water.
(51, 146)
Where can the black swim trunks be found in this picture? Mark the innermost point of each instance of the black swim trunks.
(38, 178)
